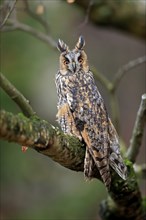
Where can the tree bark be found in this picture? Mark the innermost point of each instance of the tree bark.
(124, 200)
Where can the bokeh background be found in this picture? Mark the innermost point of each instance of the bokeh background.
(33, 187)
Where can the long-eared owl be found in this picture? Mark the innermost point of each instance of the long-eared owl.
(82, 113)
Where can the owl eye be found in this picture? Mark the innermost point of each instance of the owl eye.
(66, 61)
(80, 59)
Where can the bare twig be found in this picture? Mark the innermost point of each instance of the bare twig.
(16, 96)
(138, 130)
(102, 79)
(90, 4)
(16, 25)
(140, 170)
(114, 111)
(8, 10)
(122, 71)
(43, 22)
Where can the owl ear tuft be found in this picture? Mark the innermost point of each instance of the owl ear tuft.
(80, 44)
(62, 47)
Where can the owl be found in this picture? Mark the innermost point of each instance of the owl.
(82, 113)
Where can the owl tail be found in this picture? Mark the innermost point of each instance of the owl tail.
(115, 159)
(116, 162)
(91, 160)
(88, 165)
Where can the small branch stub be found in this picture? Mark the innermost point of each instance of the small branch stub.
(138, 131)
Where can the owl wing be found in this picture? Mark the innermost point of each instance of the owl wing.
(91, 121)
(115, 159)
(95, 134)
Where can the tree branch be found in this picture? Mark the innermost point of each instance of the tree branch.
(138, 130)
(16, 25)
(119, 14)
(36, 17)
(6, 10)
(69, 152)
(140, 170)
(16, 96)
(122, 71)
(102, 79)
(43, 137)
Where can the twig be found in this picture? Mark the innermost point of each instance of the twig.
(16, 25)
(113, 99)
(16, 96)
(9, 11)
(36, 17)
(102, 79)
(123, 70)
(140, 170)
(138, 131)
(90, 4)
(114, 111)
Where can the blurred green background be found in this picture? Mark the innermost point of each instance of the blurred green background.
(33, 187)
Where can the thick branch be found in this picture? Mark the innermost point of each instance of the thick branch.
(69, 152)
(138, 131)
(16, 96)
(125, 201)
(43, 137)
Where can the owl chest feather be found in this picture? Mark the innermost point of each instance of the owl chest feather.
(85, 102)
(80, 89)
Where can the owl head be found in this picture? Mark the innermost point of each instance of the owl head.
(73, 61)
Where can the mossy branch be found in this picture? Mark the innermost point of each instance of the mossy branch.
(69, 152)
(43, 137)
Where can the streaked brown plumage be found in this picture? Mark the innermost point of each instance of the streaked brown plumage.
(82, 113)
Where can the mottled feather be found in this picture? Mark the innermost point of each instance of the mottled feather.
(82, 113)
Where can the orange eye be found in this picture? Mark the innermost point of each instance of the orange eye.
(66, 62)
(80, 59)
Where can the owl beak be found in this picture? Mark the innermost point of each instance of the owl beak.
(74, 66)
